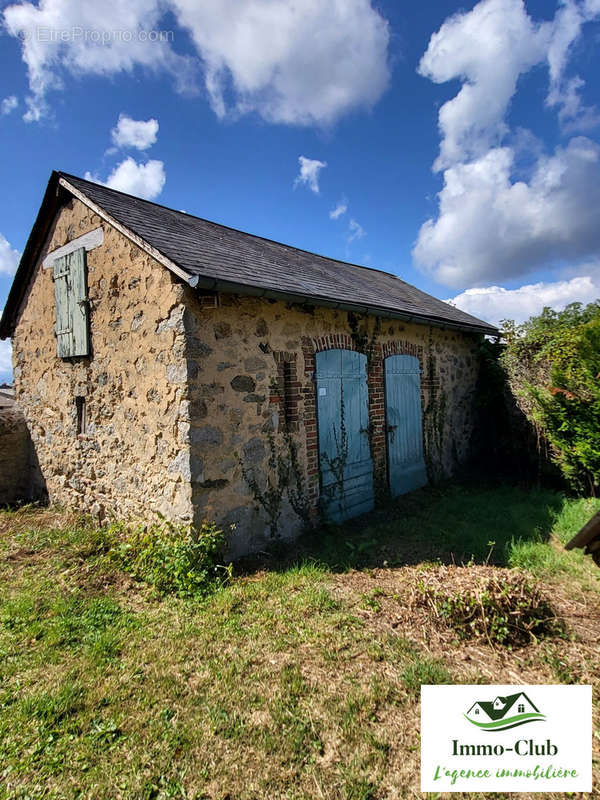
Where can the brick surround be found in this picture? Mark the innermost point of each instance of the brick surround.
(286, 391)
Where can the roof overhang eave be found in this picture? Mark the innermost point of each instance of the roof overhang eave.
(231, 287)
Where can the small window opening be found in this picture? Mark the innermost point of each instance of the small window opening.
(81, 415)
(477, 711)
(521, 708)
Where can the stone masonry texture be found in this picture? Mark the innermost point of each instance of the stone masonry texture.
(237, 353)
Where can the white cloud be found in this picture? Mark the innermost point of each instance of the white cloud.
(295, 61)
(134, 132)
(8, 104)
(564, 92)
(487, 49)
(355, 231)
(309, 173)
(491, 227)
(142, 180)
(9, 257)
(339, 210)
(5, 360)
(493, 223)
(299, 62)
(496, 303)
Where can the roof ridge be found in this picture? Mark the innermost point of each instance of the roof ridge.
(68, 175)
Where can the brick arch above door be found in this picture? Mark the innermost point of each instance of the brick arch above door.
(398, 347)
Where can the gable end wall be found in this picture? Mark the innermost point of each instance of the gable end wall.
(134, 460)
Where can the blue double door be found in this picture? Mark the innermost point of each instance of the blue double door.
(345, 461)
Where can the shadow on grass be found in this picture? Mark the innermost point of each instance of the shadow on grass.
(449, 525)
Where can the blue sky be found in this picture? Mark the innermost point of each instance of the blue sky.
(459, 144)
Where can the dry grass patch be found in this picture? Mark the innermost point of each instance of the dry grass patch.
(505, 607)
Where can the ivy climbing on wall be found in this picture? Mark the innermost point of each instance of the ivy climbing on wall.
(434, 418)
(364, 341)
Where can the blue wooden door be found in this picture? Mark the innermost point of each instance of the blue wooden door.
(343, 420)
(406, 463)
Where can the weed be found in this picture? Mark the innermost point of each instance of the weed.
(423, 671)
(174, 559)
(371, 599)
(561, 669)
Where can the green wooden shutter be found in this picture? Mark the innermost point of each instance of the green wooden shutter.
(79, 305)
(62, 293)
(70, 294)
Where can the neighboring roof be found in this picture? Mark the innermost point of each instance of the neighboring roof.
(215, 257)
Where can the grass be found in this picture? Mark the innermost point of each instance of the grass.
(503, 526)
(298, 681)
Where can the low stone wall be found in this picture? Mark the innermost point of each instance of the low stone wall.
(16, 468)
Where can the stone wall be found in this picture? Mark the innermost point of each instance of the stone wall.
(236, 355)
(134, 383)
(19, 479)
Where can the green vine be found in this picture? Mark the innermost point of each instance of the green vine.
(297, 491)
(271, 496)
(363, 341)
(434, 421)
(366, 343)
(337, 464)
(284, 477)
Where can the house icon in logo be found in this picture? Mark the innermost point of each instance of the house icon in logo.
(503, 713)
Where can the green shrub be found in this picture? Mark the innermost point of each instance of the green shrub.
(174, 559)
(553, 363)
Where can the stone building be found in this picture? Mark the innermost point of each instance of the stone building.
(169, 366)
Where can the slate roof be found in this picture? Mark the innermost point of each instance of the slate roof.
(225, 259)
